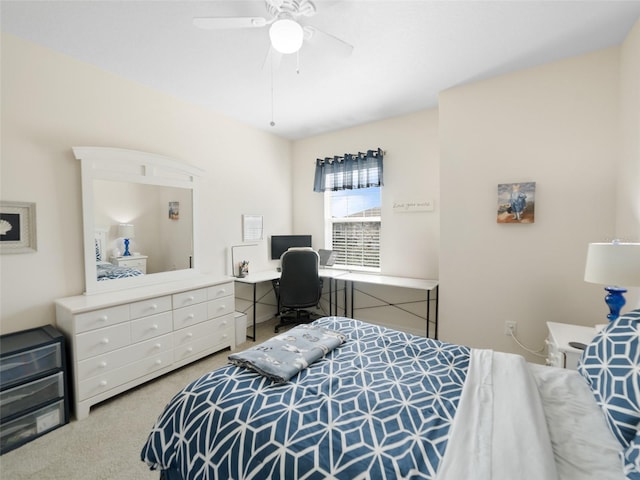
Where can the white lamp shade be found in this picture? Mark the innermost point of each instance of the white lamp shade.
(286, 35)
(126, 230)
(614, 264)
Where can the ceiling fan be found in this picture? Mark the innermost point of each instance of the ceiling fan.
(286, 31)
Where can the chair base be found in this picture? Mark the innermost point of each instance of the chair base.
(294, 317)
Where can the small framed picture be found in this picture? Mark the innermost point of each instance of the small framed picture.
(516, 202)
(174, 210)
(17, 227)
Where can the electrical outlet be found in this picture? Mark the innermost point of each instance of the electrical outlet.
(510, 328)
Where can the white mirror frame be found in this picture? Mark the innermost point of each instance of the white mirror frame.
(106, 163)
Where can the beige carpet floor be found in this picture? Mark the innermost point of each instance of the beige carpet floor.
(107, 444)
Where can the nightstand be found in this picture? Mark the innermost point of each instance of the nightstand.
(139, 262)
(560, 353)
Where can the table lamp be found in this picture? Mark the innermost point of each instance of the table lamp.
(615, 264)
(126, 231)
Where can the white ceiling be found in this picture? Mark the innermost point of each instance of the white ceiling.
(405, 52)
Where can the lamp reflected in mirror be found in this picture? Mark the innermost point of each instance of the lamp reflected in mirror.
(126, 231)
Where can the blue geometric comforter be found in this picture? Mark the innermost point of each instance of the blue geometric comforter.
(108, 271)
(378, 406)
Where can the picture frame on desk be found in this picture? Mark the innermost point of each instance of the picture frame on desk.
(17, 227)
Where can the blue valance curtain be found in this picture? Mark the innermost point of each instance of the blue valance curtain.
(352, 171)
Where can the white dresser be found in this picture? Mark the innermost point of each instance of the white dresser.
(121, 339)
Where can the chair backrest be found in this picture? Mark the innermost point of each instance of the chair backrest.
(299, 281)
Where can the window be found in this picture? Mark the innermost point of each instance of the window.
(352, 220)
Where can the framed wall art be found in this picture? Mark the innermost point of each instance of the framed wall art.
(174, 210)
(516, 202)
(17, 227)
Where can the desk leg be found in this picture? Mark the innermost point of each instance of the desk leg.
(428, 310)
(352, 298)
(345, 298)
(330, 296)
(254, 314)
(437, 303)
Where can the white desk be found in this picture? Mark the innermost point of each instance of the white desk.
(402, 282)
(269, 275)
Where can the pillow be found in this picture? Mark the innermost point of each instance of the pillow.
(610, 366)
(631, 459)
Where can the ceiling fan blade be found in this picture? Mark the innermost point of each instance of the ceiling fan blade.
(325, 40)
(224, 23)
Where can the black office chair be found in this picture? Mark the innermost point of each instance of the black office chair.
(299, 286)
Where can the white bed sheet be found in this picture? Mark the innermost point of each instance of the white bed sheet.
(584, 447)
(500, 430)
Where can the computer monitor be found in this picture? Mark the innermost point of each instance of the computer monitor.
(282, 243)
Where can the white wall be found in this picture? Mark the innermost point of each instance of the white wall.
(628, 186)
(50, 103)
(557, 125)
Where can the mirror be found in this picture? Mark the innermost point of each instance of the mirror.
(154, 196)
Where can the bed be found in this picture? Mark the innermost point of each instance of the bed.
(383, 404)
(104, 269)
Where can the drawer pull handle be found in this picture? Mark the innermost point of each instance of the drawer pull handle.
(158, 362)
(191, 316)
(190, 334)
(103, 383)
(158, 345)
(103, 318)
(190, 349)
(154, 307)
(224, 322)
(155, 326)
(222, 291)
(104, 341)
(103, 364)
(191, 298)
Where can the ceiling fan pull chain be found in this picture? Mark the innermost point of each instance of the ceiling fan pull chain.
(272, 123)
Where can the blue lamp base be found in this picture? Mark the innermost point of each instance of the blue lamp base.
(615, 300)
(127, 253)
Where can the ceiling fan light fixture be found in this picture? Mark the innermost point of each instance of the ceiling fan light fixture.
(286, 35)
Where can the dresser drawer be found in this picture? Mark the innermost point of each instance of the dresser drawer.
(27, 427)
(184, 317)
(101, 318)
(196, 338)
(194, 332)
(110, 361)
(151, 306)
(221, 306)
(97, 342)
(114, 378)
(30, 395)
(149, 327)
(218, 291)
(189, 298)
(21, 366)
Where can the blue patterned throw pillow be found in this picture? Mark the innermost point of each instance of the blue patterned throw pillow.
(610, 364)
